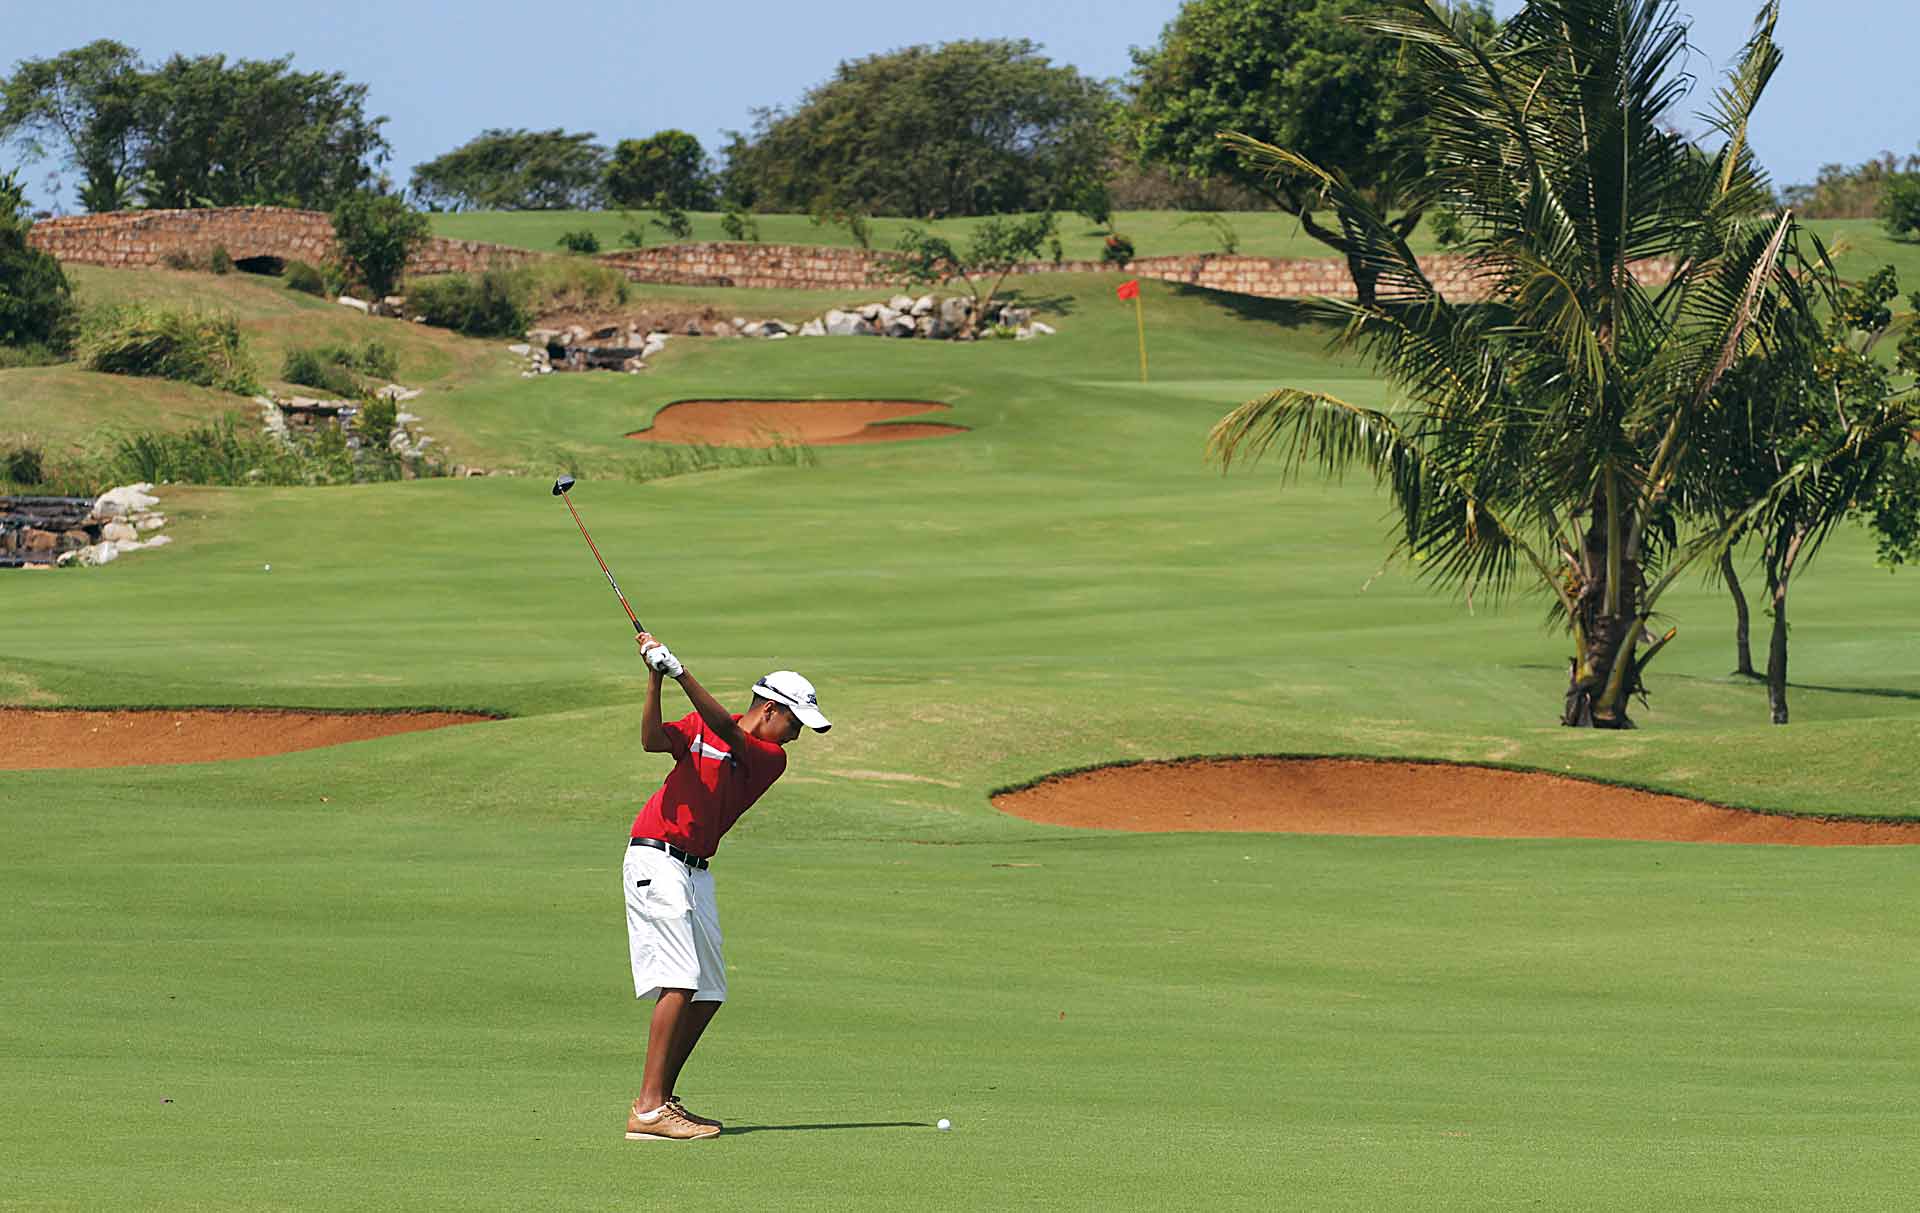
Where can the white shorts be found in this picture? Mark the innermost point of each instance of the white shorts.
(673, 927)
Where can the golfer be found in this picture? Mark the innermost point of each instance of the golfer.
(722, 763)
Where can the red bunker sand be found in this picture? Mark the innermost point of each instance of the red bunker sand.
(44, 739)
(793, 422)
(1359, 797)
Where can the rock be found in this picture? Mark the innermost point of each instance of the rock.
(780, 335)
(542, 337)
(149, 522)
(813, 328)
(840, 324)
(633, 365)
(901, 303)
(37, 540)
(99, 553)
(118, 532)
(954, 312)
(655, 343)
(395, 392)
(1016, 317)
(883, 317)
(359, 305)
(159, 541)
(544, 369)
(870, 311)
(1023, 334)
(1042, 329)
(923, 306)
(520, 348)
(739, 324)
(721, 328)
(575, 335)
(125, 499)
(900, 326)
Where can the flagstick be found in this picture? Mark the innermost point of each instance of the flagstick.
(1140, 320)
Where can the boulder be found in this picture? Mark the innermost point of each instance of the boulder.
(78, 537)
(1042, 329)
(883, 318)
(901, 303)
(900, 326)
(924, 305)
(870, 311)
(721, 328)
(542, 337)
(125, 499)
(841, 324)
(1016, 317)
(813, 328)
(358, 305)
(520, 348)
(118, 532)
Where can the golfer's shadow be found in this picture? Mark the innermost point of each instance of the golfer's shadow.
(730, 1130)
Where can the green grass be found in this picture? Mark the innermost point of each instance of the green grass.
(391, 974)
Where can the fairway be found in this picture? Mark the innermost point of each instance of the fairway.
(390, 973)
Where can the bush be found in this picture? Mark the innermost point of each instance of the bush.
(1118, 250)
(163, 343)
(379, 417)
(305, 279)
(219, 260)
(633, 237)
(377, 359)
(672, 218)
(738, 225)
(36, 301)
(314, 368)
(180, 259)
(1900, 204)
(231, 450)
(34, 353)
(582, 241)
(566, 285)
(491, 305)
(23, 465)
(376, 234)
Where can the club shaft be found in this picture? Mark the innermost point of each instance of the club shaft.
(603, 564)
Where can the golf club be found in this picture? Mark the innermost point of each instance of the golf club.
(560, 488)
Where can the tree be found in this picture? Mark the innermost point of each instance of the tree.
(254, 133)
(668, 163)
(82, 105)
(963, 128)
(36, 302)
(1303, 75)
(1546, 429)
(515, 170)
(1818, 398)
(1900, 204)
(376, 234)
(994, 248)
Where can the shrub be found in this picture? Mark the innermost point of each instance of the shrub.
(1900, 204)
(23, 465)
(36, 301)
(163, 343)
(378, 418)
(376, 234)
(376, 358)
(180, 259)
(738, 225)
(314, 368)
(566, 284)
(672, 218)
(33, 353)
(491, 305)
(305, 279)
(1118, 249)
(219, 260)
(582, 241)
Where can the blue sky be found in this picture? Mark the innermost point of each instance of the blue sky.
(443, 73)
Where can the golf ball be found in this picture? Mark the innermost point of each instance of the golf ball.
(266, 568)
(944, 1124)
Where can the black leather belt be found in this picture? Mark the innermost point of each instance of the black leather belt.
(692, 861)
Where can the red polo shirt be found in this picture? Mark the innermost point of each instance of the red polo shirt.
(708, 788)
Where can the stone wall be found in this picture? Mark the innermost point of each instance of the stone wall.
(144, 239)
(134, 239)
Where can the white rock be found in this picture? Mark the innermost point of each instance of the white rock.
(521, 348)
(125, 499)
(1023, 334)
(100, 553)
(870, 311)
(900, 326)
(119, 532)
(883, 317)
(150, 522)
(923, 305)
(545, 369)
(777, 336)
(901, 303)
(840, 324)
(1043, 329)
(359, 305)
(813, 328)
(159, 541)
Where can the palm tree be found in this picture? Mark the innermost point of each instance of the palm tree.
(1541, 431)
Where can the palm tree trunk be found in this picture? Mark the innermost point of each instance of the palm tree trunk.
(1607, 628)
(1742, 625)
(1779, 577)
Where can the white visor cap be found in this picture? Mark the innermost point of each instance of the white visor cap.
(788, 688)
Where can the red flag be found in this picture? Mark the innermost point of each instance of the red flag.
(1130, 289)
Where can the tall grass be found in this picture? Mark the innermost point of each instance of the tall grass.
(164, 343)
(232, 451)
(504, 302)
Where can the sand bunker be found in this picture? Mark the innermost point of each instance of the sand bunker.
(1348, 796)
(37, 739)
(802, 422)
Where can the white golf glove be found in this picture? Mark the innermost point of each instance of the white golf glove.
(660, 659)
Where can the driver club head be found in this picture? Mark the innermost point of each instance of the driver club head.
(561, 485)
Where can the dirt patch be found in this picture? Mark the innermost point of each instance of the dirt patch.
(1351, 796)
(808, 422)
(41, 739)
